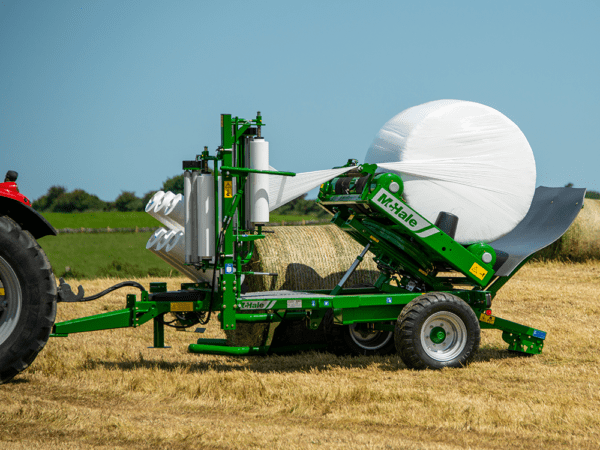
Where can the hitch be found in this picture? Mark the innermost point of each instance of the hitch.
(66, 294)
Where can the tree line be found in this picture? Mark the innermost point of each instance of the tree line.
(58, 199)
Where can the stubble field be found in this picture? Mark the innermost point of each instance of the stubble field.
(108, 390)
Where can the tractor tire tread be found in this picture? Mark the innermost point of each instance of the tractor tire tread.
(42, 306)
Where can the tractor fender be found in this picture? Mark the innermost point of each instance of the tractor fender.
(27, 218)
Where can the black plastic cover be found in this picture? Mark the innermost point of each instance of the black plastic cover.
(551, 213)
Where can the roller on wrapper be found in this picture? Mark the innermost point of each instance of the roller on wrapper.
(258, 182)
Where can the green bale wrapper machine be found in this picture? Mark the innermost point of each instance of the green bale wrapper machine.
(431, 297)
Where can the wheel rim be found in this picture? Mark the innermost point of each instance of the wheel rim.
(443, 336)
(10, 300)
(369, 340)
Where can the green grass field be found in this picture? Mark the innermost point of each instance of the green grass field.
(91, 255)
(115, 219)
(104, 255)
(101, 219)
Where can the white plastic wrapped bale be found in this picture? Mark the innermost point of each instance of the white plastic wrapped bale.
(461, 157)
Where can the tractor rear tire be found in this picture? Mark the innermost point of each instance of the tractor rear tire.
(27, 299)
(437, 330)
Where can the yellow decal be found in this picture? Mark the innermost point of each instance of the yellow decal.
(228, 189)
(374, 238)
(478, 271)
(423, 272)
(1, 291)
(352, 217)
(487, 319)
(182, 306)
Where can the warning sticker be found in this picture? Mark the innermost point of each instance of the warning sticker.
(1, 291)
(228, 188)
(487, 319)
(182, 306)
(294, 303)
(478, 271)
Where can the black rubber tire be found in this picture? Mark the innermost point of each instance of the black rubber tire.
(28, 302)
(368, 343)
(452, 317)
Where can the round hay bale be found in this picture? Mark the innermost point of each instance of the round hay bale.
(581, 242)
(308, 257)
(304, 257)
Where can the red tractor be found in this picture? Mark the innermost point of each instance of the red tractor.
(28, 290)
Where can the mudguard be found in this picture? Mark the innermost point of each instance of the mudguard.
(27, 217)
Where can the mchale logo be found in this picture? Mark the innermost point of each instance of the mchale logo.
(398, 209)
(254, 305)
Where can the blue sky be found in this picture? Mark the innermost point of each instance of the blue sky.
(111, 95)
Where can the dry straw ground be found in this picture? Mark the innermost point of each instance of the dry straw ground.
(108, 390)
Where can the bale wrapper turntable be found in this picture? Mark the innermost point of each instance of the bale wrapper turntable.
(429, 302)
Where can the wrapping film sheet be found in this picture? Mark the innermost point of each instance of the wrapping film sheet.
(463, 158)
(285, 189)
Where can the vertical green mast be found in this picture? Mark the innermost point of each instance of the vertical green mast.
(227, 280)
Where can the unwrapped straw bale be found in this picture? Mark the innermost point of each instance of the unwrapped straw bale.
(308, 257)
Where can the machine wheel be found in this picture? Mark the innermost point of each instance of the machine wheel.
(367, 342)
(27, 299)
(437, 330)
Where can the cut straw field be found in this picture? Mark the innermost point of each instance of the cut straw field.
(108, 390)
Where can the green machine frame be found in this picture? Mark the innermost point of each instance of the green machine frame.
(414, 256)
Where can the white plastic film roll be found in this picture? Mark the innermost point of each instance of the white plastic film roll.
(164, 239)
(171, 211)
(154, 201)
(259, 183)
(205, 189)
(164, 202)
(189, 272)
(168, 209)
(155, 237)
(191, 216)
(175, 249)
(175, 211)
(463, 158)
